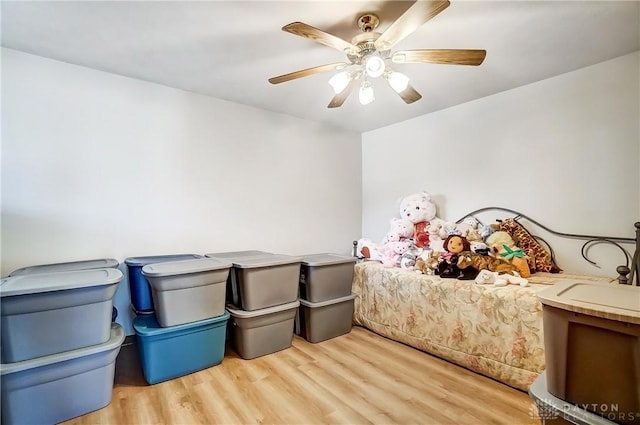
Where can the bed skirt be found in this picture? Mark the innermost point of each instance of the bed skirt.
(494, 331)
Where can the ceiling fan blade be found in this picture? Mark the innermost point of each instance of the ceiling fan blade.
(419, 13)
(339, 98)
(443, 56)
(306, 72)
(410, 95)
(319, 36)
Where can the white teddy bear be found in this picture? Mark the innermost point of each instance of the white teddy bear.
(420, 211)
(401, 227)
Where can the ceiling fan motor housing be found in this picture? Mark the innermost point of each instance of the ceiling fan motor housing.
(368, 22)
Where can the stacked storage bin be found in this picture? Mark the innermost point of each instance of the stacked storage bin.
(263, 295)
(326, 301)
(187, 331)
(59, 345)
(592, 341)
(141, 300)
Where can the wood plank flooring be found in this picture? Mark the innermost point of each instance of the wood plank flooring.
(358, 378)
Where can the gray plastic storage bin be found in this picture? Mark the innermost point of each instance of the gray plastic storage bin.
(261, 332)
(589, 327)
(55, 388)
(262, 280)
(102, 263)
(326, 276)
(326, 319)
(189, 290)
(50, 313)
(141, 299)
(233, 296)
(237, 254)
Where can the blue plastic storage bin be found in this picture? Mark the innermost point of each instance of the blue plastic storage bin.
(171, 352)
(141, 299)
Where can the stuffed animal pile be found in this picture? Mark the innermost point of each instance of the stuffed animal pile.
(417, 212)
(420, 241)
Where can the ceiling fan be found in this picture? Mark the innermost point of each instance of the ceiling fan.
(369, 54)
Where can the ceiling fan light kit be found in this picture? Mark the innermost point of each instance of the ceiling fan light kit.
(366, 95)
(368, 54)
(397, 80)
(373, 65)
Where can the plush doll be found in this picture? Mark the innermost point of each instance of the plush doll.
(503, 245)
(453, 245)
(419, 210)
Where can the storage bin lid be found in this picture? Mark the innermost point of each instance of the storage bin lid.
(237, 254)
(267, 260)
(609, 301)
(60, 281)
(171, 268)
(326, 259)
(115, 341)
(148, 325)
(65, 267)
(326, 302)
(243, 314)
(143, 261)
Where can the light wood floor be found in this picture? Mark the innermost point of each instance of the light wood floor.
(356, 378)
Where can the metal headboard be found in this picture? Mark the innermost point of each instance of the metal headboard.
(628, 274)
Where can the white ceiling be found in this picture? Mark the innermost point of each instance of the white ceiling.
(228, 49)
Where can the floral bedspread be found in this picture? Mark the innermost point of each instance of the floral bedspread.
(495, 331)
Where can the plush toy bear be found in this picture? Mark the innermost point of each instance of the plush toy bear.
(391, 253)
(400, 230)
(503, 245)
(402, 227)
(409, 257)
(419, 210)
(391, 237)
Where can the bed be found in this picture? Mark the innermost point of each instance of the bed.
(494, 331)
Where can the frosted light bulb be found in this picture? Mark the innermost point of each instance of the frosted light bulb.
(374, 66)
(398, 81)
(366, 95)
(339, 82)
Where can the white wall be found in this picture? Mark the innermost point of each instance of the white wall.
(97, 165)
(564, 151)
